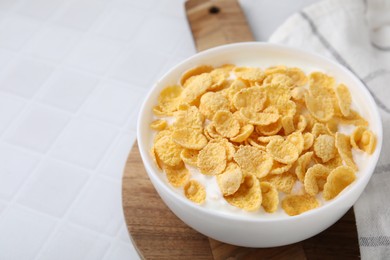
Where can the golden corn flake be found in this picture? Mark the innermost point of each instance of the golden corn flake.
(230, 180)
(288, 109)
(249, 74)
(225, 124)
(230, 150)
(320, 129)
(168, 151)
(210, 132)
(297, 76)
(279, 168)
(194, 72)
(195, 192)
(278, 79)
(250, 98)
(211, 102)
(259, 118)
(271, 129)
(308, 140)
(189, 156)
(343, 146)
(337, 181)
(277, 95)
(288, 124)
(315, 179)
(344, 99)
(253, 160)
(212, 159)
(283, 182)
(248, 196)
(197, 86)
(189, 118)
(270, 197)
(158, 124)
(244, 133)
(296, 139)
(297, 204)
(177, 176)
(234, 88)
(168, 100)
(321, 108)
(189, 138)
(282, 151)
(324, 147)
(303, 163)
(300, 123)
(259, 132)
(363, 139)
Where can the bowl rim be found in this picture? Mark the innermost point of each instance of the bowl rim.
(363, 180)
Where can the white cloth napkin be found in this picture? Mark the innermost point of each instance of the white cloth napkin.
(356, 34)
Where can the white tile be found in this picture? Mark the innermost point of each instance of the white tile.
(15, 30)
(100, 207)
(23, 232)
(6, 5)
(124, 234)
(140, 66)
(5, 57)
(122, 251)
(120, 24)
(95, 53)
(80, 14)
(25, 76)
(2, 207)
(10, 107)
(161, 33)
(54, 42)
(144, 4)
(68, 89)
(114, 164)
(84, 142)
(53, 187)
(38, 128)
(114, 102)
(171, 7)
(15, 168)
(71, 242)
(39, 9)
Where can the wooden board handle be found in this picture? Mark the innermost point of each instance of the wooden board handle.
(217, 22)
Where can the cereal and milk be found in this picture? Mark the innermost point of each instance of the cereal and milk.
(264, 138)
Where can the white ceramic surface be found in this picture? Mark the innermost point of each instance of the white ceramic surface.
(241, 230)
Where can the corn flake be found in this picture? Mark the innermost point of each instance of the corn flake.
(225, 124)
(168, 151)
(230, 180)
(259, 118)
(282, 151)
(344, 99)
(195, 192)
(253, 160)
(177, 176)
(343, 146)
(303, 163)
(270, 197)
(283, 182)
(324, 147)
(363, 139)
(337, 181)
(249, 74)
(212, 159)
(211, 102)
(194, 72)
(244, 133)
(315, 179)
(189, 138)
(252, 98)
(297, 204)
(248, 196)
(189, 156)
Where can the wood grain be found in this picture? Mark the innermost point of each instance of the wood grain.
(158, 234)
(227, 25)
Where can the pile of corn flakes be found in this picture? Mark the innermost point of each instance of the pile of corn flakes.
(259, 132)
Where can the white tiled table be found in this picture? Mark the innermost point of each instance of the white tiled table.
(72, 75)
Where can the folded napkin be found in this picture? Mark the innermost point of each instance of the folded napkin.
(356, 34)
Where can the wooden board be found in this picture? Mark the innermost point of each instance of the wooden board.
(158, 234)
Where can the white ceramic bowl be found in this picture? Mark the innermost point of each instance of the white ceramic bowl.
(239, 229)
